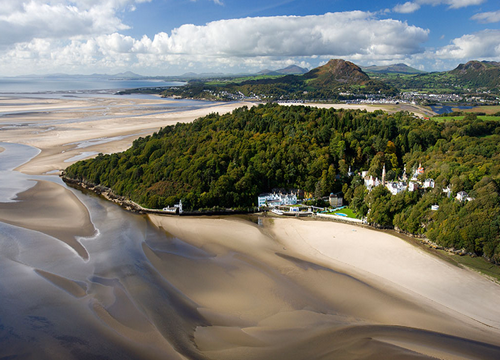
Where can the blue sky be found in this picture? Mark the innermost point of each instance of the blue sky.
(171, 37)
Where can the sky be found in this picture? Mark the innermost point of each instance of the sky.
(173, 37)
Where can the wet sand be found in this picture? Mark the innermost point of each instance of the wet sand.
(63, 219)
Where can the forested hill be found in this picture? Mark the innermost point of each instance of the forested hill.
(227, 160)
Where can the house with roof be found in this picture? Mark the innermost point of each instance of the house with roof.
(336, 200)
(418, 171)
(413, 186)
(278, 197)
(396, 187)
(429, 183)
(463, 196)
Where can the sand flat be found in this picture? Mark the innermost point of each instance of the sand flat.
(63, 219)
(72, 121)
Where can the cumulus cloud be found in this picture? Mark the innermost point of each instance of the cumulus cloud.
(406, 8)
(238, 43)
(23, 21)
(487, 17)
(481, 45)
(339, 34)
(228, 43)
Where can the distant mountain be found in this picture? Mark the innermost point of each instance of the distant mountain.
(478, 74)
(334, 80)
(394, 68)
(472, 76)
(289, 70)
(202, 75)
(126, 75)
(337, 71)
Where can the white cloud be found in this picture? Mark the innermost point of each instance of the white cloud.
(481, 45)
(406, 8)
(487, 17)
(338, 34)
(237, 43)
(23, 21)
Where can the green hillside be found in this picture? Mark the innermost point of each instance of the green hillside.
(392, 69)
(226, 161)
(475, 75)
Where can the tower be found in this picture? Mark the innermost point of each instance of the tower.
(383, 176)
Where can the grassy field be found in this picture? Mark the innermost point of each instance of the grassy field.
(489, 110)
(345, 211)
(482, 117)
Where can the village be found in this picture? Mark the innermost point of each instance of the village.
(296, 203)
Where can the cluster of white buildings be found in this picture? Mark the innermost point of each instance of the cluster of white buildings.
(277, 198)
(396, 187)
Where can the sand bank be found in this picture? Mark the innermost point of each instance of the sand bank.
(266, 292)
(63, 219)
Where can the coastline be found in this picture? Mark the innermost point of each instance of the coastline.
(223, 287)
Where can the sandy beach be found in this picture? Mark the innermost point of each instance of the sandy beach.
(287, 277)
(237, 287)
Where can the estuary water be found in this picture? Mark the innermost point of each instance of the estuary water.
(36, 85)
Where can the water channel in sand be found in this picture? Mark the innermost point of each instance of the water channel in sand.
(82, 279)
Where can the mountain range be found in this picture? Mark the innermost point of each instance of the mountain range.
(393, 68)
(289, 70)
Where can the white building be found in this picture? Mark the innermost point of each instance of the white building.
(429, 183)
(434, 207)
(371, 182)
(413, 186)
(396, 187)
(463, 196)
(277, 199)
(418, 171)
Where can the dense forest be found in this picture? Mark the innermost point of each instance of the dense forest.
(227, 160)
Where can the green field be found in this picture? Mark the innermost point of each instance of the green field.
(350, 213)
(481, 117)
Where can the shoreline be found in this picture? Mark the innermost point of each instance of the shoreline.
(425, 243)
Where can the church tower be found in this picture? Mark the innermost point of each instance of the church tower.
(383, 176)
